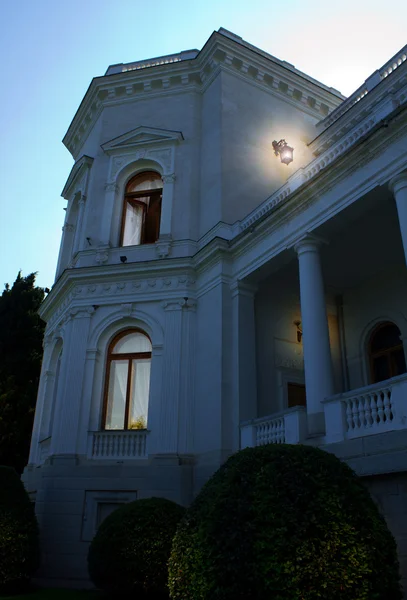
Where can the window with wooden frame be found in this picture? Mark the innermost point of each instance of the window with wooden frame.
(386, 352)
(127, 383)
(142, 209)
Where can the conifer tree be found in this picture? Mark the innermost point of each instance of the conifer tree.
(21, 334)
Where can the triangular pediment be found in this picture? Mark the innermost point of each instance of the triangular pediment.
(142, 136)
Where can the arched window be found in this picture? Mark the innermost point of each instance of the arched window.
(386, 352)
(142, 209)
(127, 381)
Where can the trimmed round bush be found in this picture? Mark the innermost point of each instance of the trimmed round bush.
(131, 548)
(283, 522)
(19, 540)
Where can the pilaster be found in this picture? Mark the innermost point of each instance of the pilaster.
(78, 241)
(111, 191)
(91, 360)
(67, 412)
(36, 433)
(166, 205)
(171, 370)
(186, 408)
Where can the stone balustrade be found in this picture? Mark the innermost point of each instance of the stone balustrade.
(152, 62)
(393, 63)
(287, 427)
(119, 445)
(373, 409)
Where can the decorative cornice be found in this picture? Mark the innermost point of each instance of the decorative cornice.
(220, 52)
(72, 291)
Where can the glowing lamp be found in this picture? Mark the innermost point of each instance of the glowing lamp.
(284, 150)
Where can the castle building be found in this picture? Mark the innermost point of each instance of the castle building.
(232, 272)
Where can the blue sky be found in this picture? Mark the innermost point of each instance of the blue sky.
(51, 49)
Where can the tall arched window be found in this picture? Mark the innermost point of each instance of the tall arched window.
(142, 209)
(127, 381)
(386, 352)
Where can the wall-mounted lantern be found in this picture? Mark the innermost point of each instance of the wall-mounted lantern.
(284, 150)
(298, 325)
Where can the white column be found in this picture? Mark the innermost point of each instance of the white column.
(398, 186)
(67, 411)
(317, 352)
(244, 357)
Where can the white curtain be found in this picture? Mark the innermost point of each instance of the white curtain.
(116, 402)
(139, 393)
(133, 225)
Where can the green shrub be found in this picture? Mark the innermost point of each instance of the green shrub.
(131, 548)
(19, 545)
(283, 522)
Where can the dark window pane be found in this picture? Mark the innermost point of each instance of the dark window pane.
(296, 394)
(381, 368)
(152, 220)
(398, 362)
(385, 337)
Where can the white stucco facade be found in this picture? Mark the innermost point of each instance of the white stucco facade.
(263, 276)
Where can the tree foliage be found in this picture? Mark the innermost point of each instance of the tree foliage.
(21, 334)
(288, 523)
(130, 551)
(19, 541)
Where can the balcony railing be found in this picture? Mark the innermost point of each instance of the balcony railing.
(365, 411)
(287, 427)
(118, 445)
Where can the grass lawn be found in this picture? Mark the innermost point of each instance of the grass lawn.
(57, 594)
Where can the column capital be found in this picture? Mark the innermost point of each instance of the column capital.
(240, 288)
(111, 186)
(92, 354)
(308, 243)
(398, 182)
(177, 304)
(169, 178)
(81, 312)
